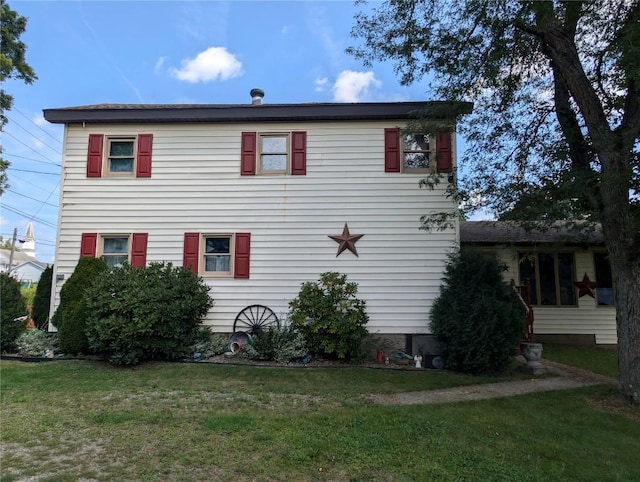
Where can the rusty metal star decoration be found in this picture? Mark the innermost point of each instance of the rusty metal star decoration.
(585, 287)
(347, 241)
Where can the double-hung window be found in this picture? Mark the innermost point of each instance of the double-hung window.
(274, 153)
(217, 255)
(550, 277)
(416, 152)
(119, 155)
(115, 250)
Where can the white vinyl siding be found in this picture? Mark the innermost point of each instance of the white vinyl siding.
(197, 187)
(584, 318)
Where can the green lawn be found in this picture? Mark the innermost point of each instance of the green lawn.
(598, 360)
(71, 420)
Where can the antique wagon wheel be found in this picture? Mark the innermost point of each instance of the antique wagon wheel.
(255, 318)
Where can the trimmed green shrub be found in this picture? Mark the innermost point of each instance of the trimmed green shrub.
(13, 306)
(35, 342)
(41, 301)
(281, 344)
(70, 317)
(208, 344)
(330, 317)
(146, 313)
(476, 320)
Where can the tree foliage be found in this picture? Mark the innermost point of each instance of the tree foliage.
(70, 317)
(13, 306)
(42, 299)
(556, 89)
(13, 65)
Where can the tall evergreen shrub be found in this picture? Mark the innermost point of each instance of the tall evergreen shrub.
(476, 320)
(70, 317)
(41, 302)
(12, 306)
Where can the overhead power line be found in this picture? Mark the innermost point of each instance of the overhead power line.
(31, 218)
(35, 172)
(14, 122)
(32, 198)
(30, 148)
(14, 108)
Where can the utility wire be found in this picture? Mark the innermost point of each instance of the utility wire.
(14, 122)
(28, 158)
(31, 218)
(30, 148)
(14, 108)
(35, 172)
(32, 198)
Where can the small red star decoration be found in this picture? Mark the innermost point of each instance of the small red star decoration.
(347, 241)
(585, 287)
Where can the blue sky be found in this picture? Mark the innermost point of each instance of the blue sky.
(93, 52)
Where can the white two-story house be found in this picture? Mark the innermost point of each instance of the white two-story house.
(259, 198)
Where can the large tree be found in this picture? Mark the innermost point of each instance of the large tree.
(556, 92)
(13, 65)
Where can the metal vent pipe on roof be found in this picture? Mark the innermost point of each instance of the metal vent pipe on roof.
(256, 96)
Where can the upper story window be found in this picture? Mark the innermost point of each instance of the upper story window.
(119, 155)
(604, 280)
(120, 158)
(416, 152)
(273, 153)
(550, 277)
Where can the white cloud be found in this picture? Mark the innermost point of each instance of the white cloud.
(40, 121)
(159, 64)
(321, 83)
(351, 86)
(215, 63)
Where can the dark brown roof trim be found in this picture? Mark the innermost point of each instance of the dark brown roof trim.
(487, 233)
(216, 113)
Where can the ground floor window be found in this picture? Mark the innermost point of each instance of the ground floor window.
(115, 250)
(550, 277)
(217, 254)
(604, 280)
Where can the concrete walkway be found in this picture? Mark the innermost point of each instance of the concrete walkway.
(565, 378)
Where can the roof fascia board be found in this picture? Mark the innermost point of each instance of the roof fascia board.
(262, 113)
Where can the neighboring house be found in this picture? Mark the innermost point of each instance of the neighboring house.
(568, 272)
(260, 198)
(24, 268)
(29, 272)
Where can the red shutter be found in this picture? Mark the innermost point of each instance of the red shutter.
(191, 253)
(88, 244)
(443, 152)
(392, 150)
(139, 250)
(248, 154)
(94, 155)
(241, 255)
(145, 144)
(299, 153)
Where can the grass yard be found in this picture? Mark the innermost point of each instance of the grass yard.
(598, 360)
(72, 420)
